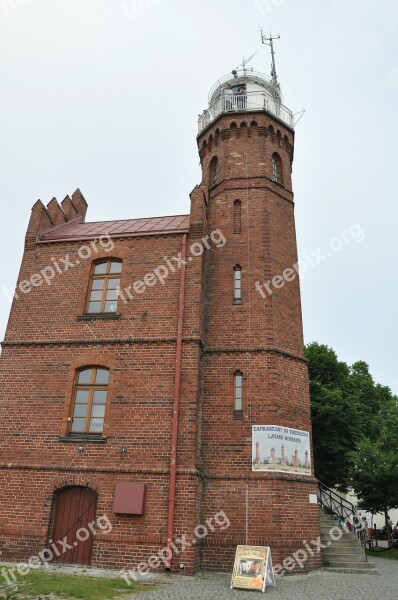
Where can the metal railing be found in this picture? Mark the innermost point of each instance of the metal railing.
(338, 507)
(251, 101)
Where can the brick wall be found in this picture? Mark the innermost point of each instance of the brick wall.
(47, 340)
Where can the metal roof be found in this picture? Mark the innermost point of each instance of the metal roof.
(128, 228)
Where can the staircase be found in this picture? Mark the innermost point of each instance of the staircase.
(345, 555)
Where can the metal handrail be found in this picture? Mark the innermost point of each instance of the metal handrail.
(241, 77)
(250, 101)
(341, 508)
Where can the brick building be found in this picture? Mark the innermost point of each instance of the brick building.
(139, 355)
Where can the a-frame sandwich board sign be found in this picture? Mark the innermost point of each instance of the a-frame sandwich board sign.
(253, 568)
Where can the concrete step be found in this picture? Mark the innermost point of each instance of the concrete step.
(326, 521)
(344, 551)
(340, 557)
(326, 530)
(323, 517)
(340, 543)
(349, 565)
(347, 537)
(371, 571)
(329, 524)
(343, 541)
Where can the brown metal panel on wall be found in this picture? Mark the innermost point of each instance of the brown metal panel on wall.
(129, 498)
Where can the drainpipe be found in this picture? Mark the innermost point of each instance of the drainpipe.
(176, 409)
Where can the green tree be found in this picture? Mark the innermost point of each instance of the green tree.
(332, 424)
(374, 471)
(355, 425)
(368, 400)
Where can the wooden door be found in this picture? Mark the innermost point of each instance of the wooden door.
(74, 509)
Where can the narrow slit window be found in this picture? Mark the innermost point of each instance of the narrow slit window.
(277, 168)
(89, 401)
(238, 391)
(237, 216)
(213, 171)
(238, 284)
(104, 287)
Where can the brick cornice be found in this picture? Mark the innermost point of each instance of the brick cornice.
(104, 341)
(264, 350)
(310, 480)
(173, 340)
(114, 471)
(223, 186)
(249, 117)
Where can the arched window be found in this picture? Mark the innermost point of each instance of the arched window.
(104, 287)
(277, 168)
(238, 393)
(237, 216)
(237, 284)
(213, 171)
(89, 400)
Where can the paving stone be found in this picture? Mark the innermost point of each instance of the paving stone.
(317, 585)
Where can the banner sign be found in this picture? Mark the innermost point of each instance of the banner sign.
(253, 568)
(281, 449)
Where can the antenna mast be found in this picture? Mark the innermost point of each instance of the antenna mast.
(245, 62)
(270, 42)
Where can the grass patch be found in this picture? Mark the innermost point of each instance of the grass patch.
(389, 554)
(37, 583)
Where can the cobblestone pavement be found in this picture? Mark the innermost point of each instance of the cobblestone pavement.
(314, 586)
(317, 585)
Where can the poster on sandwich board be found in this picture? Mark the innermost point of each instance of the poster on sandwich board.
(253, 569)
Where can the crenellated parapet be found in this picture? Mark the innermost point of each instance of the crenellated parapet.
(246, 128)
(55, 213)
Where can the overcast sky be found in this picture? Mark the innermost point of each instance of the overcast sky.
(105, 94)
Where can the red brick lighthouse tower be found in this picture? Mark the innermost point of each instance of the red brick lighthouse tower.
(254, 373)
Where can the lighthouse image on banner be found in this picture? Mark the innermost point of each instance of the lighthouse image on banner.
(281, 449)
